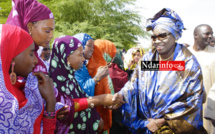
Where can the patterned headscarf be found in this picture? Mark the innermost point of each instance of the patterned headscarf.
(168, 20)
(83, 38)
(24, 11)
(129, 56)
(62, 48)
(64, 79)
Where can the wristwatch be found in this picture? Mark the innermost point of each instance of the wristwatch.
(91, 104)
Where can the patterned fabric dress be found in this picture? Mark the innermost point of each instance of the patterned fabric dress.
(175, 96)
(86, 121)
(21, 111)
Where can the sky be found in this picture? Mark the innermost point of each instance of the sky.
(192, 13)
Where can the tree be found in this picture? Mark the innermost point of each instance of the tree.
(101, 19)
(5, 8)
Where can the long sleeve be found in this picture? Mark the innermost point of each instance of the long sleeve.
(85, 81)
(49, 125)
(131, 117)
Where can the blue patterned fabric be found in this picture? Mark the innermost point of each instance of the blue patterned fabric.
(83, 38)
(82, 75)
(13, 119)
(168, 20)
(164, 94)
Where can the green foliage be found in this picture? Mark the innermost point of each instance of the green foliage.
(101, 19)
(5, 8)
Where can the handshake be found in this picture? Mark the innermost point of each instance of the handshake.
(112, 101)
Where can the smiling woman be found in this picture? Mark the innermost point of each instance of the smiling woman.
(165, 101)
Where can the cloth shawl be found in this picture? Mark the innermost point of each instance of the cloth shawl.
(21, 109)
(25, 11)
(82, 75)
(103, 50)
(173, 95)
(85, 121)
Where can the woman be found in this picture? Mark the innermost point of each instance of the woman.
(22, 108)
(86, 82)
(104, 52)
(119, 78)
(67, 56)
(37, 20)
(131, 59)
(165, 101)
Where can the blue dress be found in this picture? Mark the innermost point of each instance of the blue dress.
(175, 96)
(85, 80)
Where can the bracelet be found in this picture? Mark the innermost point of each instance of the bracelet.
(50, 114)
(91, 104)
(156, 123)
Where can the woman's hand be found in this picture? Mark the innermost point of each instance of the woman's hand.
(153, 127)
(101, 125)
(62, 113)
(46, 90)
(116, 101)
(102, 72)
(130, 63)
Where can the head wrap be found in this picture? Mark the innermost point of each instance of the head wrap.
(107, 47)
(129, 56)
(24, 11)
(104, 51)
(118, 59)
(66, 83)
(83, 38)
(14, 103)
(168, 20)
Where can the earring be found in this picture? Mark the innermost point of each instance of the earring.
(68, 63)
(30, 33)
(13, 75)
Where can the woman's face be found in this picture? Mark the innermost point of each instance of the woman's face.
(136, 56)
(24, 67)
(89, 48)
(42, 31)
(165, 41)
(76, 59)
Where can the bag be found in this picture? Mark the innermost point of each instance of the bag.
(164, 130)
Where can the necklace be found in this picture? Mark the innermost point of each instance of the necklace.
(166, 58)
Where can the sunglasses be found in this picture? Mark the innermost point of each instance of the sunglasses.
(160, 36)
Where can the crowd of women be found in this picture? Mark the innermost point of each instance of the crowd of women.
(89, 86)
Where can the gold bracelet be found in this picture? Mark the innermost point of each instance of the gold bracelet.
(156, 123)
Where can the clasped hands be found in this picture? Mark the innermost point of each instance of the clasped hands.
(113, 101)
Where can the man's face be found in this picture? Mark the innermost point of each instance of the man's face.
(204, 36)
(45, 55)
(212, 42)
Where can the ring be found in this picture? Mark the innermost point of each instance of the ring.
(116, 105)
